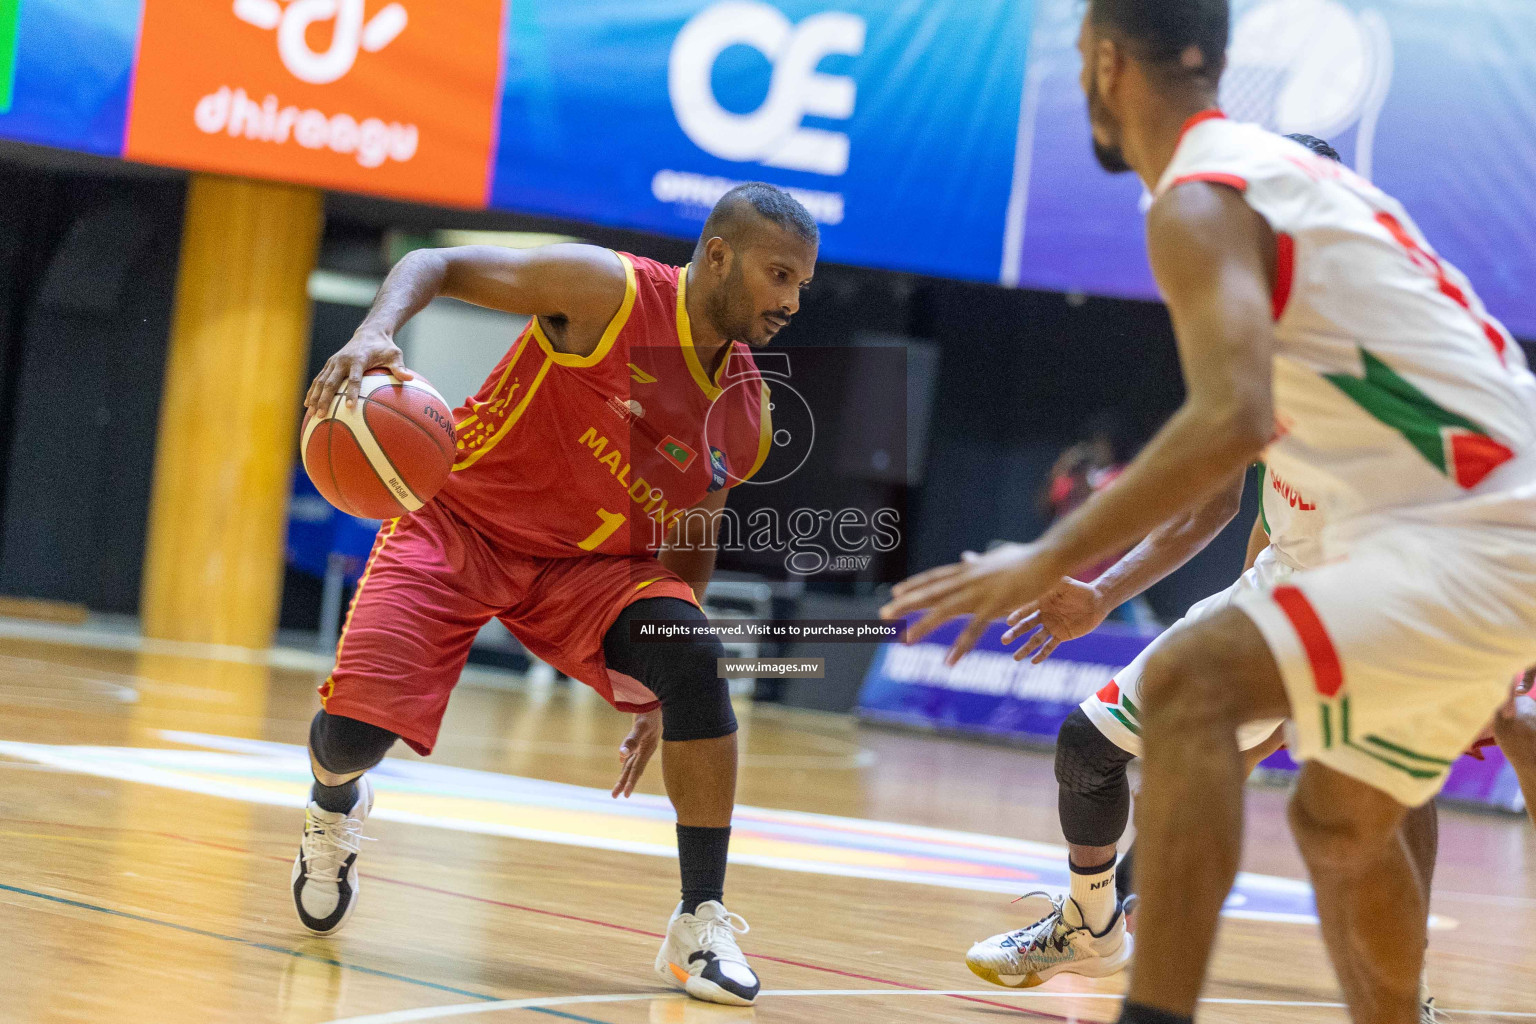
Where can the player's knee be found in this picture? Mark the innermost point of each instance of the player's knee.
(1094, 800)
(1087, 763)
(1189, 681)
(345, 746)
(695, 701)
(1341, 827)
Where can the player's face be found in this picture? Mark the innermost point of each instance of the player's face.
(761, 293)
(1104, 125)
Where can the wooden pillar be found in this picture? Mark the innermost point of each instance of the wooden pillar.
(213, 570)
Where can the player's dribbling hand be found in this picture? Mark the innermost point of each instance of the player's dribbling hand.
(368, 350)
(983, 586)
(636, 750)
(1067, 611)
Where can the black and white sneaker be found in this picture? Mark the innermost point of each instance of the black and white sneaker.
(700, 956)
(325, 871)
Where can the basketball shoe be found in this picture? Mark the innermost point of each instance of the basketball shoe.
(1058, 942)
(325, 871)
(700, 956)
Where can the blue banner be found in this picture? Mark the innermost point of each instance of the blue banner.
(71, 67)
(988, 693)
(894, 120)
(1431, 99)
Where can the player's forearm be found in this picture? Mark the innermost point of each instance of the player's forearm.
(1167, 549)
(415, 281)
(1197, 453)
(1258, 540)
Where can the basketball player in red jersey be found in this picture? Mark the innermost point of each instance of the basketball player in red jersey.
(631, 398)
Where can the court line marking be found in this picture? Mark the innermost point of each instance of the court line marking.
(490, 1002)
(267, 946)
(426, 1013)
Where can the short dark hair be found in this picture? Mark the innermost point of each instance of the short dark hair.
(730, 217)
(1316, 145)
(1162, 33)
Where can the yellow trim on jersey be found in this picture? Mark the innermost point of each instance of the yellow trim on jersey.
(519, 347)
(610, 335)
(685, 340)
(512, 418)
(357, 595)
(764, 437)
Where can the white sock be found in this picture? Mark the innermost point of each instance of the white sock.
(1095, 895)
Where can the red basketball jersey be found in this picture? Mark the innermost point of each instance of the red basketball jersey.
(560, 455)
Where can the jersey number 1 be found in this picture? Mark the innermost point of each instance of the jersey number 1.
(611, 522)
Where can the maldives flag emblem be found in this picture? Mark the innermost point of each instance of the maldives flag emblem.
(679, 454)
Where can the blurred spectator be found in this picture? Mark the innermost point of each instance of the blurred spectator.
(1083, 468)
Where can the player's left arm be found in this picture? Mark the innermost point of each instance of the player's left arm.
(1258, 540)
(1213, 257)
(694, 542)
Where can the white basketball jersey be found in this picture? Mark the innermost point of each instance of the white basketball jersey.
(1394, 389)
(1292, 520)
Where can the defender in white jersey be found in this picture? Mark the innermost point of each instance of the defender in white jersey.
(1320, 331)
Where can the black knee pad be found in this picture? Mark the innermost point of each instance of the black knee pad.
(1094, 798)
(345, 745)
(695, 701)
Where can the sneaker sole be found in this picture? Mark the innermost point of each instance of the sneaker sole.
(699, 988)
(1098, 967)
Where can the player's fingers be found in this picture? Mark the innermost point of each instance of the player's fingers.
(395, 364)
(354, 382)
(931, 620)
(1025, 649)
(1021, 627)
(323, 388)
(967, 639)
(1034, 643)
(1046, 651)
(946, 589)
(923, 579)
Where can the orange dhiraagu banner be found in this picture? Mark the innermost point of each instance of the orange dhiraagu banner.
(391, 97)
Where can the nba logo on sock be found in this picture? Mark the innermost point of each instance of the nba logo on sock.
(677, 453)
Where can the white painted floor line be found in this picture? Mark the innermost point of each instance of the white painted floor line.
(426, 1013)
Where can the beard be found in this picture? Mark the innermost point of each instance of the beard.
(1110, 158)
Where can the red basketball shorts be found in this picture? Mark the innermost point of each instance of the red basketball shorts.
(432, 583)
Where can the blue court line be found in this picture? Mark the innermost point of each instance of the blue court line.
(270, 948)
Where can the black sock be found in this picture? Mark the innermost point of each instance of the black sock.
(336, 799)
(1138, 1013)
(701, 854)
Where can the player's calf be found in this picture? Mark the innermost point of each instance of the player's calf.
(698, 758)
(324, 877)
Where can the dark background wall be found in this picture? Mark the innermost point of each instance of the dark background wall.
(88, 267)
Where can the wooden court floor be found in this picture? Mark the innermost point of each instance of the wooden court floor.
(149, 812)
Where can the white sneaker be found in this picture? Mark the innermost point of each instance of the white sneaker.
(1058, 942)
(700, 956)
(325, 871)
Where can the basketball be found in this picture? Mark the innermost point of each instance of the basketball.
(385, 457)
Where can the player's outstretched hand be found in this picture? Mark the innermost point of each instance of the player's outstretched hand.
(368, 350)
(985, 587)
(1067, 611)
(636, 750)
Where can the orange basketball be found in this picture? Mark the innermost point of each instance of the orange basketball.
(385, 457)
